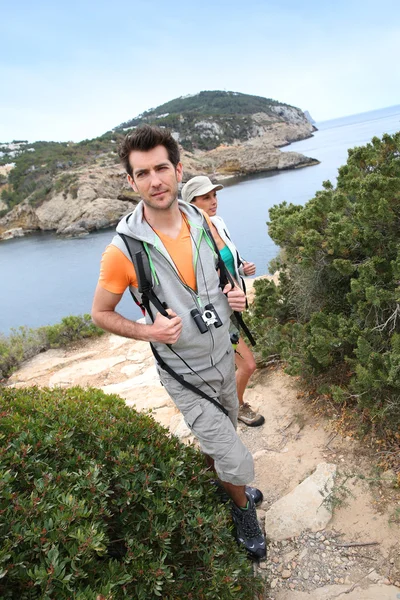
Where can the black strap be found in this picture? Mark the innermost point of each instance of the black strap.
(141, 263)
(183, 381)
(225, 277)
(135, 248)
(243, 325)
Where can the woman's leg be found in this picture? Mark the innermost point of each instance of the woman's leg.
(245, 367)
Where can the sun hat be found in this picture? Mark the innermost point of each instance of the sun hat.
(198, 186)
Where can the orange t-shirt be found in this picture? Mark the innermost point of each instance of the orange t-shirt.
(117, 271)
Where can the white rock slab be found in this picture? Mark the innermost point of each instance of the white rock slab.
(303, 508)
(140, 352)
(130, 370)
(332, 592)
(138, 357)
(116, 341)
(149, 377)
(71, 374)
(178, 427)
(41, 363)
(164, 415)
(147, 398)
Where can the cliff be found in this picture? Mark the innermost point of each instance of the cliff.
(74, 189)
(206, 120)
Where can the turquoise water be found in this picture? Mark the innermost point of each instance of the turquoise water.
(44, 278)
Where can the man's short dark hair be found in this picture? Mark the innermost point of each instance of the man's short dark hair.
(145, 138)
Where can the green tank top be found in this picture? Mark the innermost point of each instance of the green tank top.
(227, 257)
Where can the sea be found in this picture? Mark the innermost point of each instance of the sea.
(44, 277)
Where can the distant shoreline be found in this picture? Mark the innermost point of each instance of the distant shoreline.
(78, 232)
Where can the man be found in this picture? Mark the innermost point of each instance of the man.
(183, 263)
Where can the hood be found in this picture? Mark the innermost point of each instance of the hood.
(135, 225)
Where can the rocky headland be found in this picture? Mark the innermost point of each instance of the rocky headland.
(243, 136)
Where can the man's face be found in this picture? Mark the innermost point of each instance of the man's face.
(154, 177)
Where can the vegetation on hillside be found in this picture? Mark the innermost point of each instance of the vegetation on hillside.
(40, 166)
(209, 118)
(203, 121)
(335, 317)
(98, 501)
(215, 103)
(24, 343)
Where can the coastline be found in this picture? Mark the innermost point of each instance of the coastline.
(79, 232)
(102, 195)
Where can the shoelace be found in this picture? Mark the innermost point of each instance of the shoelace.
(247, 411)
(249, 522)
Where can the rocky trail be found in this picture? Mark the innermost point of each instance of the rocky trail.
(332, 521)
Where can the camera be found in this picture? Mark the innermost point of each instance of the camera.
(209, 317)
(202, 326)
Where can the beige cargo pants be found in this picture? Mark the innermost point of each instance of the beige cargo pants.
(215, 431)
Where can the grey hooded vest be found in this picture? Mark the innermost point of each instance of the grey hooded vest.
(199, 350)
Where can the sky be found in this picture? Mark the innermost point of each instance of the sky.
(74, 70)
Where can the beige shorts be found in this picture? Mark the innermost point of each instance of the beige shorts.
(215, 431)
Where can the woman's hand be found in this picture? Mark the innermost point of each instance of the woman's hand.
(249, 268)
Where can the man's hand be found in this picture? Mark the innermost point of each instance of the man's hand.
(166, 330)
(236, 297)
(249, 268)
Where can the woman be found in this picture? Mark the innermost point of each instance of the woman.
(203, 193)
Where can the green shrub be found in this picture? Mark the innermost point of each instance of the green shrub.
(42, 192)
(335, 318)
(71, 329)
(64, 181)
(10, 197)
(98, 501)
(24, 343)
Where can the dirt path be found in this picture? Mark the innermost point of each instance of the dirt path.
(287, 449)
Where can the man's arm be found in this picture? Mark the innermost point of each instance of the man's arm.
(164, 330)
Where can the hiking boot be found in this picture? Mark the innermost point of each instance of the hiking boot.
(255, 493)
(248, 530)
(249, 417)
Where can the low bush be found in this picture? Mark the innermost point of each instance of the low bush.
(97, 501)
(335, 317)
(71, 329)
(24, 343)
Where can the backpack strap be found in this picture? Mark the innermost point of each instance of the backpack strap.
(224, 278)
(141, 263)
